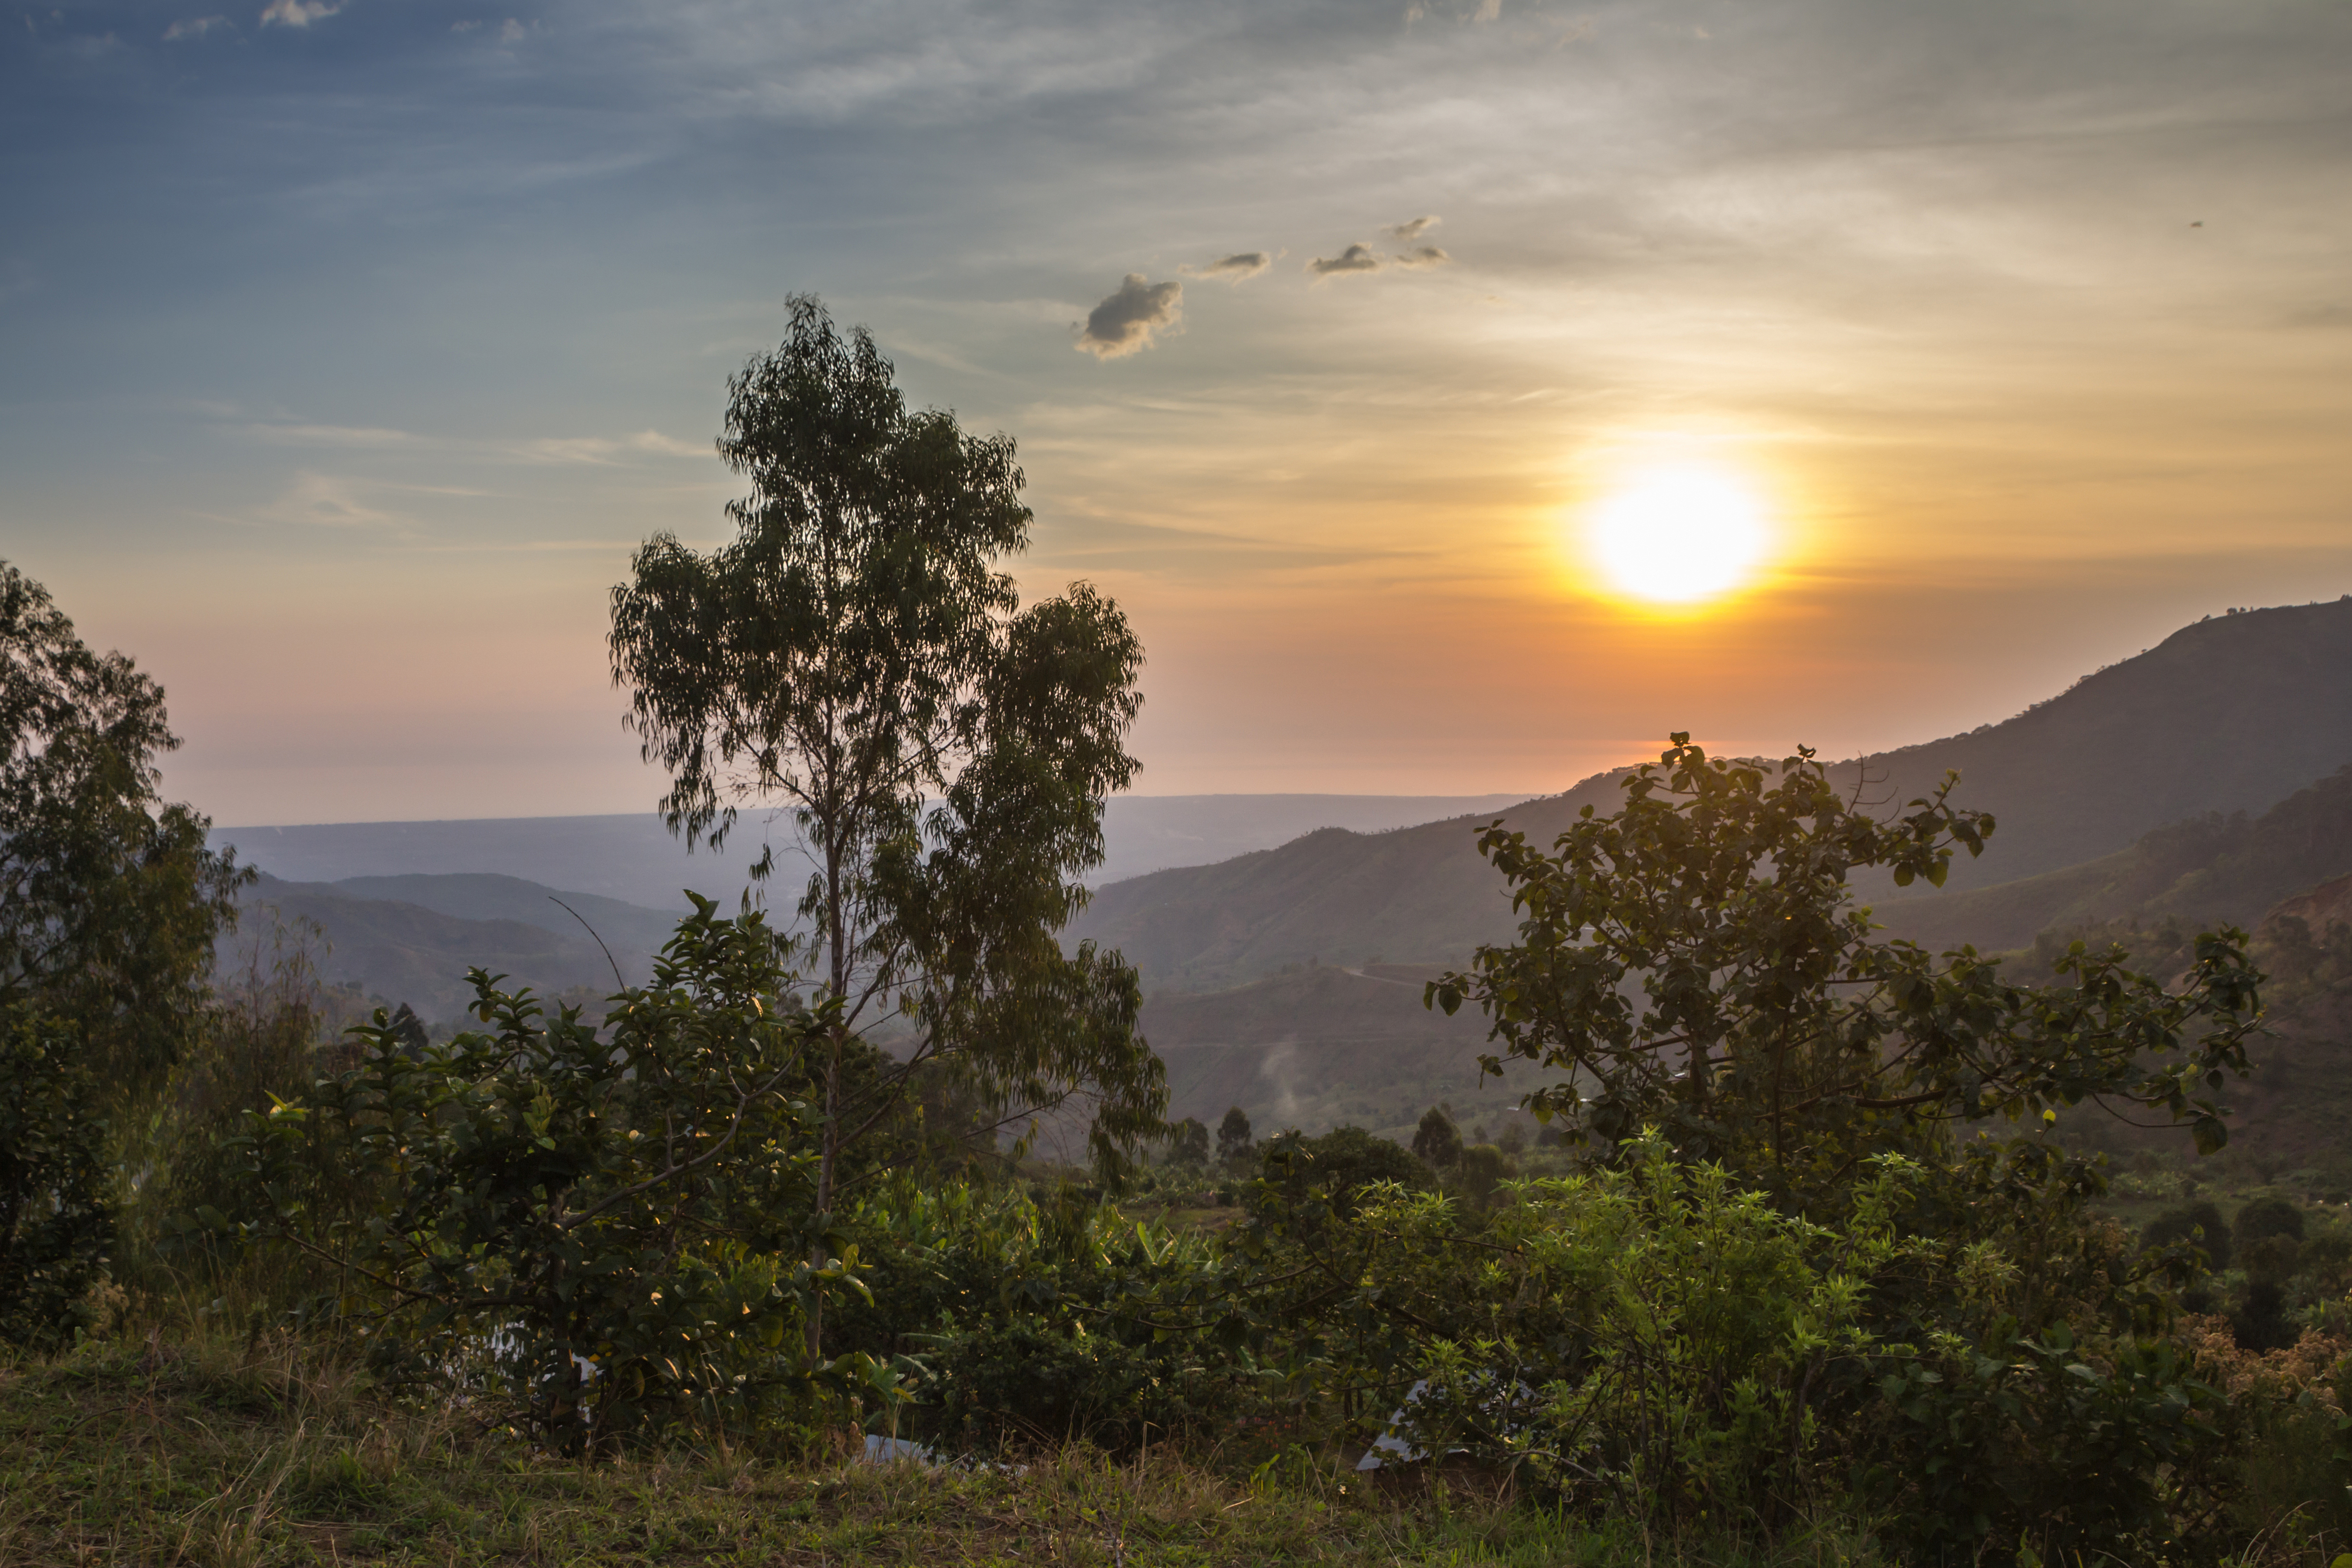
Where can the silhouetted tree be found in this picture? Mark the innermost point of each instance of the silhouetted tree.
(1233, 1140)
(1188, 1143)
(110, 900)
(1437, 1140)
(2265, 1217)
(1695, 962)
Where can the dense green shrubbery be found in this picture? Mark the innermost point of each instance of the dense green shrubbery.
(2199, 1222)
(1962, 1346)
(1027, 1318)
(57, 1202)
(612, 1235)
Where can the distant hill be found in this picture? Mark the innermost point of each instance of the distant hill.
(2206, 870)
(2232, 713)
(633, 857)
(416, 948)
(1415, 895)
(2228, 715)
(483, 896)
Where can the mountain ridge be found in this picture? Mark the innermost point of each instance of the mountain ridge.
(2229, 714)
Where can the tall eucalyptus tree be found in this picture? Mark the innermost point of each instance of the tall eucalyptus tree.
(856, 655)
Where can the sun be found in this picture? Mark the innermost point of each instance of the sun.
(1678, 535)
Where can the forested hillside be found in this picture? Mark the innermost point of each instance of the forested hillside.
(2229, 714)
(2209, 868)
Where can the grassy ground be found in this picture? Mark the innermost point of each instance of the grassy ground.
(224, 1454)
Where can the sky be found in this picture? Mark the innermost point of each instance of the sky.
(347, 351)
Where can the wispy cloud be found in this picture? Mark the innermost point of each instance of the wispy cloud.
(1355, 258)
(1238, 268)
(595, 449)
(324, 501)
(1424, 255)
(306, 435)
(194, 27)
(669, 446)
(605, 450)
(1412, 228)
(298, 12)
(1129, 320)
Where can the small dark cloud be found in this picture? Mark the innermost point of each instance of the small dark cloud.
(1424, 255)
(1412, 228)
(1127, 321)
(1238, 268)
(1355, 258)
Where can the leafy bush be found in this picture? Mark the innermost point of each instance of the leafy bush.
(2075, 1446)
(610, 1235)
(1481, 1169)
(2264, 1217)
(1026, 1319)
(1305, 1177)
(57, 1209)
(259, 1040)
(2200, 1223)
(1659, 1338)
(1665, 1332)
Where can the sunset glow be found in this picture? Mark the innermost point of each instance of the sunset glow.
(1863, 373)
(1678, 535)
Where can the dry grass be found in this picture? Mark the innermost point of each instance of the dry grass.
(219, 1452)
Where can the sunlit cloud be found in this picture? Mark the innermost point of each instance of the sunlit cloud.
(1238, 268)
(1131, 319)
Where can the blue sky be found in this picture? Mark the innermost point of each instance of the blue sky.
(346, 352)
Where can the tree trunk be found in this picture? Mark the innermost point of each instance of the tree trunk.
(830, 1149)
